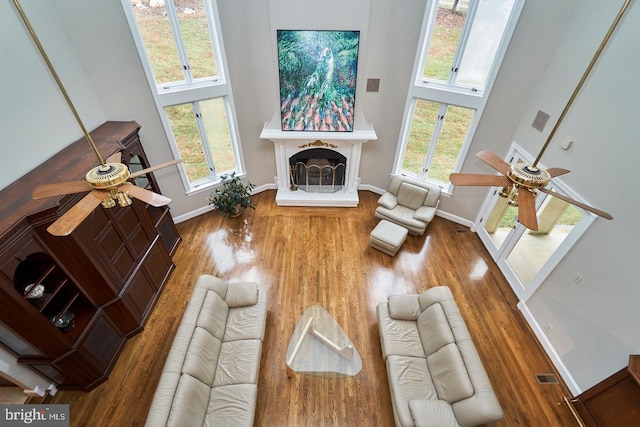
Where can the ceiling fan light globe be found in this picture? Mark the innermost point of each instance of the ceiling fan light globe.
(504, 193)
(123, 199)
(108, 202)
(513, 198)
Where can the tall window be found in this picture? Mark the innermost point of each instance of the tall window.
(461, 47)
(180, 44)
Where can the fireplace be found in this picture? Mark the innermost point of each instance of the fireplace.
(317, 168)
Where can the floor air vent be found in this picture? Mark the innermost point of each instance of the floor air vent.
(546, 379)
(461, 230)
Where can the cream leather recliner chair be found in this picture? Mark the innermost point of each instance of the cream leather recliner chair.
(409, 202)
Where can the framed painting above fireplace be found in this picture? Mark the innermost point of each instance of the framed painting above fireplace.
(317, 72)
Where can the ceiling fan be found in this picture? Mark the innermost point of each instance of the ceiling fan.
(108, 184)
(521, 182)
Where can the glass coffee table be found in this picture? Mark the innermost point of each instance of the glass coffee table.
(320, 347)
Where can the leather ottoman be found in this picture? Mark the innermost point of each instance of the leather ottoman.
(388, 237)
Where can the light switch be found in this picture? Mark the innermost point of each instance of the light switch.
(566, 144)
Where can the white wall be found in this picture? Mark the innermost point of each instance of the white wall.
(35, 120)
(593, 323)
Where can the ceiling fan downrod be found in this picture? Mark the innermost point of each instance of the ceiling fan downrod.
(55, 76)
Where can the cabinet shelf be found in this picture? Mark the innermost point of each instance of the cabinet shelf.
(58, 293)
(47, 298)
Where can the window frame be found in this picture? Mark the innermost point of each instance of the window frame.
(446, 92)
(192, 90)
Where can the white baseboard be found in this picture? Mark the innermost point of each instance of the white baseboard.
(362, 187)
(548, 347)
(203, 210)
(189, 215)
(372, 188)
(456, 219)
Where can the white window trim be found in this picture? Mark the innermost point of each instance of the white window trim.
(462, 96)
(188, 91)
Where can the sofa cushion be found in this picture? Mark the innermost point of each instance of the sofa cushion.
(239, 363)
(432, 413)
(434, 329)
(401, 215)
(202, 356)
(399, 337)
(242, 294)
(213, 314)
(408, 379)
(232, 405)
(411, 195)
(449, 374)
(189, 405)
(404, 307)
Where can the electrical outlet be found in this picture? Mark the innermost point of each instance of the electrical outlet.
(577, 278)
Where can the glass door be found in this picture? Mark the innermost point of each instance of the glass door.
(557, 219)
(499, 226)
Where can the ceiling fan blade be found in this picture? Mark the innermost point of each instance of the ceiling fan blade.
(115, 157)
(527, 215)
(60, 189)
(154, 199)
(152, 168)
(494, 161)
(557, 171)
(479, 180)
(586, 207)
(71, 219)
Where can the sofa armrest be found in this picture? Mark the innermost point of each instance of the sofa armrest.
(425, 213)
(481, 408)
(404, 307)
(388, 200)
(241, 294)
(432, 413)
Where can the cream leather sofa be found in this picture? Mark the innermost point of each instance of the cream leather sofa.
(409, 202)
(435, 374)
(211, 373)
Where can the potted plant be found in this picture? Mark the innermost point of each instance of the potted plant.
(233, 196)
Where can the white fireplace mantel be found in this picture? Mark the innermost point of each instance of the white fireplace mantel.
(289, 143)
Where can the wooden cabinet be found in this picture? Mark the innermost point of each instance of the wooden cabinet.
(68, 304)
(613, 402)
(133, 156)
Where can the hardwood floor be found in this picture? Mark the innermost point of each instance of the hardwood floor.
(307, 256)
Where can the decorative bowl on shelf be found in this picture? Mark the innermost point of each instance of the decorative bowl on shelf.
(34, 291)
(65, 321)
